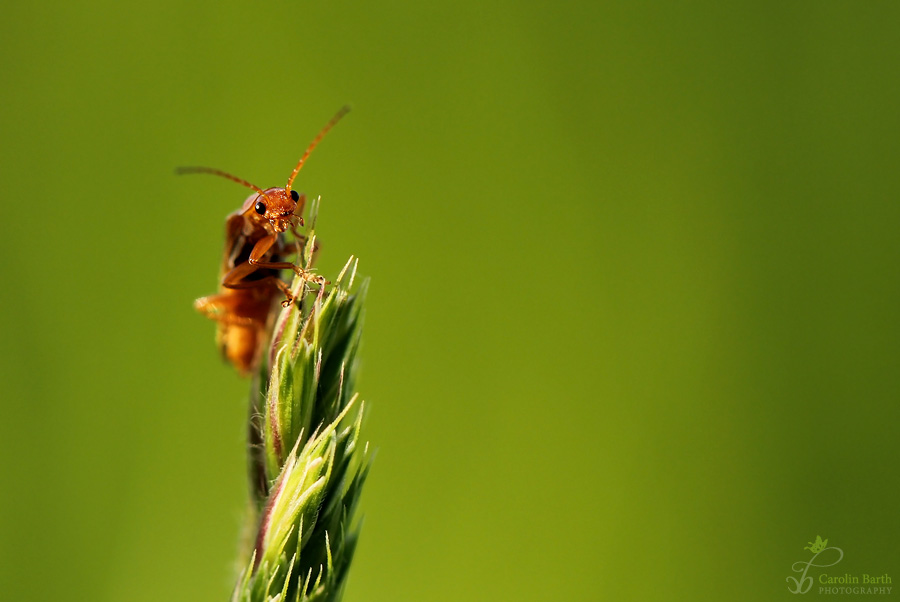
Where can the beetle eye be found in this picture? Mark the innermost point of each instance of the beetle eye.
(260, 207)
(295, 195)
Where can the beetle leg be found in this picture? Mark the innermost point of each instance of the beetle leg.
(259, 251)
(221, 309)
(236, 277)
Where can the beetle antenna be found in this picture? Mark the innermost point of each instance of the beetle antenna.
(218, 172)
(337, 117)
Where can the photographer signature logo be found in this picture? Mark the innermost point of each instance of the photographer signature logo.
(818, 548)
(824, 556)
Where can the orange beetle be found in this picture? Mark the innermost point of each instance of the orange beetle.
(255, 253)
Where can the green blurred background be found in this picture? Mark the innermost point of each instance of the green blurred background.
(633, 327)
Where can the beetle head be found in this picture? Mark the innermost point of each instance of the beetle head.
(276, 206)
